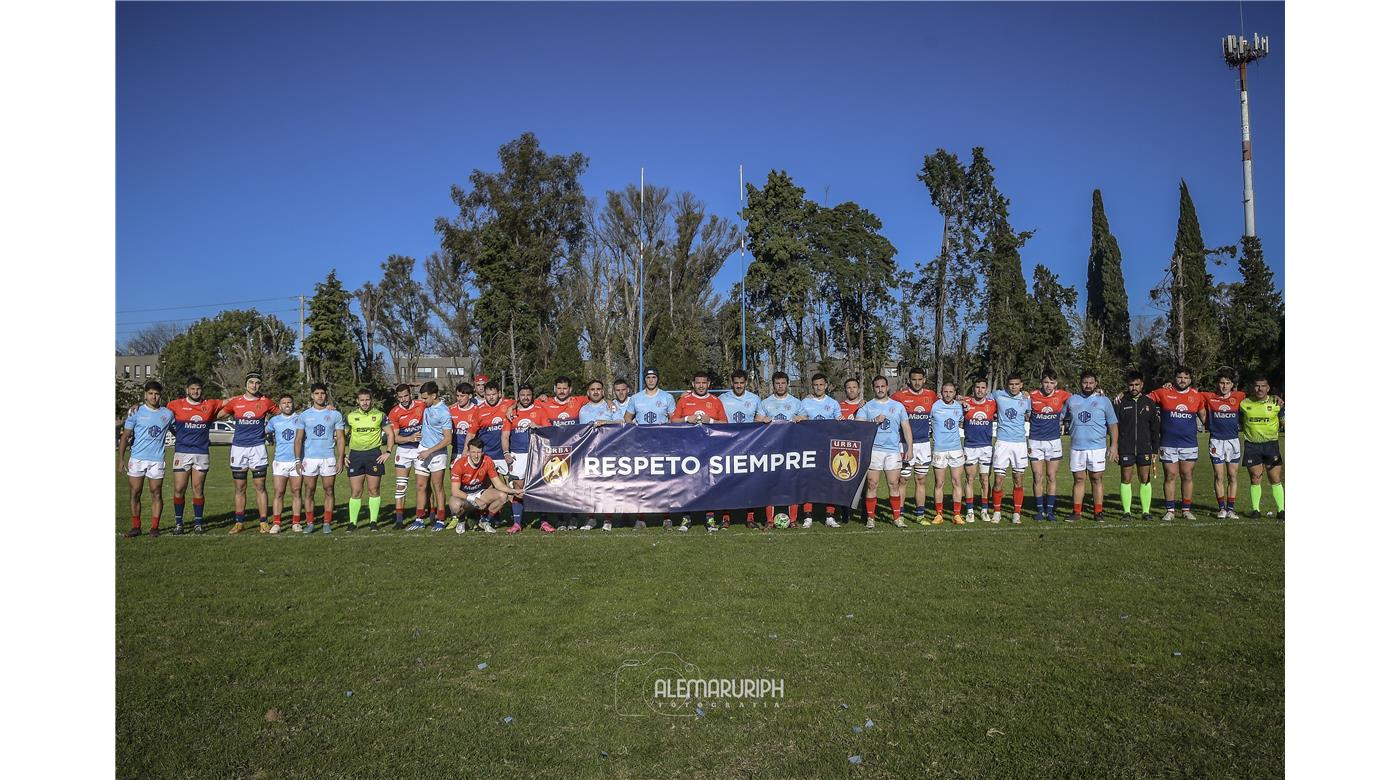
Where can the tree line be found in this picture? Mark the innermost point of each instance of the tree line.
(534, 279)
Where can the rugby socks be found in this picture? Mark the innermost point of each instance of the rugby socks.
(1078, 508)
(870, 507)
(896, 505)
(957, 507)
(517, 510)
(1145, 496)
(1256, 492)
(997, 495)
(918, 511)
(179, 510)
(1018, 497)
(420, 513)
(1278, 495)
(1126, 490)
(1050, 504)
(238, 516)
(1040, 504)
(1098, 508)
(326, 516)
(354, 511)
(374, 509)
(1230, 504)
(310, 516)
(1186, 505)
(136, 522)
(1171, 505)
(1220, 500)
(442, 515)
(198, 510)
(938, 507)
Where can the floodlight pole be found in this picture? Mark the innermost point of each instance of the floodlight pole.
(743, 285)
(1239, 52)
(641, 282)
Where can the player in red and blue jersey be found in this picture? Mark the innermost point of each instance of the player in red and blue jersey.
(249, 450)
(1046, 449)
(193, 415)
(563, 409)
(979, 412)
(405, 431)
(1222, 418)
(515, 442)
(918, 403)
(462, 413)
(1181, 406)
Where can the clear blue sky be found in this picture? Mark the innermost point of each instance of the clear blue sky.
(258, 145)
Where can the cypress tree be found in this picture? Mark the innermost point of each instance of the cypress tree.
(330, 345)
(1199, 325)
(1107, 303)
(1255, 315)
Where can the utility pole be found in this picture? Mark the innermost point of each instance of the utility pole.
(743, 282)
(1239, 52)
(1179, 309)
(641, 282)
(301, 342)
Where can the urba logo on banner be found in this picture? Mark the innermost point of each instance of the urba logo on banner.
(845, 459)
(556, 467)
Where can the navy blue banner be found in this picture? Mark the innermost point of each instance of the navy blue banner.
(683, 467)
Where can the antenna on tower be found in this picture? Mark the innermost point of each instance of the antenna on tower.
(1239, 51)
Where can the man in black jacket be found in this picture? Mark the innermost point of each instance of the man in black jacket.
(1140, 433)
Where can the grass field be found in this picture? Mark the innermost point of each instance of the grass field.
(1128, 649)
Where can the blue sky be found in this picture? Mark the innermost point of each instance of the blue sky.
(258, 145)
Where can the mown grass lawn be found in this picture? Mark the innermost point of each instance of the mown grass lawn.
(1041, 650)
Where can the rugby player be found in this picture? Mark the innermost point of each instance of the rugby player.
(781, 407)
(320, 447)
(406, 417)
(1009, 451)
(894, 443)
(1140, 428)
(462, 412)
(515, 435)
(979, 413)
(563, 407)
(1046, 449)
(1093, 441)
(431, 458)
(365, 456)
(193, 413)
(701, 407)
(819, 406)
(1222, 418)
(1263, 422)
(945, 419)
(282, 429)
(249, 450)
(597, 413)
(917, 402)
(479, 383)
(476, 483)
(740, 406)
(144, 429)
(1180, 405)
(851, 404)
(652, 406)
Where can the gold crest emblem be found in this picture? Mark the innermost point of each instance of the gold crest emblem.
(845, 459)
(556, 470)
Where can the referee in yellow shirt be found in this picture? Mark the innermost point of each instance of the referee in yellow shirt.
(1262, 417)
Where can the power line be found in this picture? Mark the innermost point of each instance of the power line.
(125, 325)
(207, 305)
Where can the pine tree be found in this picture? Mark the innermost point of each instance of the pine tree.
(1193, 328)
(330, 344)
(1255, 316)
(1052, 345)
(1107, 302)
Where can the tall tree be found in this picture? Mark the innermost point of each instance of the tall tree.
(857, 279)
(514, 230)
(450, 300)
(369, 367)
(1254, 316)
(1106, 305)
(403, 316)
(781, 280)
(1193, 327)
(946, 180)
(222, 349)
(329, 347)
(151, 339)
(1002, 300)
(1052, 343)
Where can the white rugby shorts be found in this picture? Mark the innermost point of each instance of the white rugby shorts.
(434, 464)
(404, 457)
(190, 461)
(1009, 454)
(247, 457)
(951, 459)
(1174, 454)
(1047, 450)
(884, 460)
(1087, 460)
(318, 467)
(1224, 451)
(285, 468)
(982, 456)
(150, 469)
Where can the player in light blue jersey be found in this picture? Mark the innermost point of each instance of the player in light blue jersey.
(819, 406)
(781, 406)
(652, 406)
(599, 412)
(894, 445)
(431, 463)
(320, 448)
(1093, 440)
(740, 406)
(282, 429)
(945, 420)
(144, 429)
(1009, 451)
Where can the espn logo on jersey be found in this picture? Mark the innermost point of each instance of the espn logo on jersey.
(845, 459)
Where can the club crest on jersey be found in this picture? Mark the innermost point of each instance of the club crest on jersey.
(153, 431)
(651, 417)
(885, 424)
(740, 417)
(1010, 414)
(1084, 417)
(845, 459)
(319, 430)
(288, 434)
(556, 465)
(950, 423)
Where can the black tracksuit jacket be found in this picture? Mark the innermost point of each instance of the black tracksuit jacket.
(1139, 425)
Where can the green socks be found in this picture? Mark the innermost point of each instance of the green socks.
(374, 509)
(1126, 489)
(1145, 492)
(354, 511)
(1255, 493)
(1278, 496)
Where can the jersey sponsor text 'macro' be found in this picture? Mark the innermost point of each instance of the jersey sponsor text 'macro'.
(519, 423)
(563, 412)
(248, 419)
(192, 421)
(918, 406)
(1046, 413)
(977, 421)
(1179, 409)
(487, 423)
(1223, 415)
(407, 421)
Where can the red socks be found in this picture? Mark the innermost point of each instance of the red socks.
(1098, 509)
(996, 499)
(938, 507)
(1078, 508)
(870, 508)
(957, 507)
(1018, 495)
(896, 505)
(136, 522)
(326, 517)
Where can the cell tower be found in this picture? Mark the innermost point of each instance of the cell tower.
(1239, 52)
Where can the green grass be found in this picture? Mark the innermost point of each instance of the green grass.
(978, 651)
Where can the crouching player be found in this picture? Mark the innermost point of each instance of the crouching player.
(477, 485)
